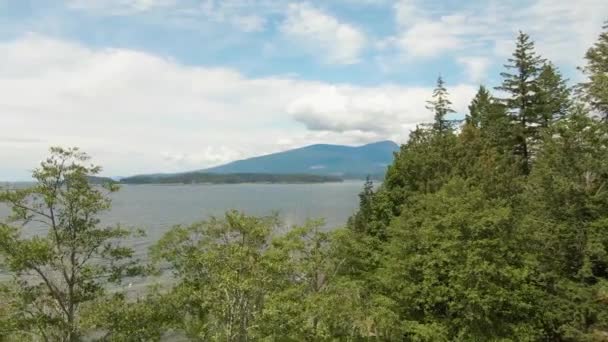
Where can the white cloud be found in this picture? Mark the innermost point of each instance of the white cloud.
(138, 113)
(476, 68)
(374, 110)
(567, 28)
(422, 35)
(210, 155)
(406, 11)
(562, 29)
(242, 15)
(428, 38)
(321, 33)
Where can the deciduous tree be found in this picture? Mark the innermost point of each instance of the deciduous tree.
(54, 245)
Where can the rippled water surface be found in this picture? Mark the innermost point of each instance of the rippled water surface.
(156, 208)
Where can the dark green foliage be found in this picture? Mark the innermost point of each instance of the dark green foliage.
(520, 83)
(100, 180)
(364, 215)
(567, 211)
(422, 164)
(595, 89)
(498, 232)
(490, 116)
(553, 97)
(479, 107)
(456, 264)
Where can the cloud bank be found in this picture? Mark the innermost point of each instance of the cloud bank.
(138, 112)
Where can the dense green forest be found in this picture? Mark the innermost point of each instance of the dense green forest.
(229, 178)
(496, 230)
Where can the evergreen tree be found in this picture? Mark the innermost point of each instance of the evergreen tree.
(423, 164)
(456, 267)
(521, 86)
(490, 117)
(565, 209)
(479, 107)
(440, 105)
(595, 90)
(364, 214)
(553, 98)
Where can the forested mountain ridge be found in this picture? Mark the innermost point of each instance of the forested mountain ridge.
(335, 160)
(310, 164)
(229, 178)
(497, 231)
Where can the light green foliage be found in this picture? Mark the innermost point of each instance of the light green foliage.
(222, 273)
(118, 318)
(53, 245)
(12, 325)
(325, 299)
(237, 281)
(311, 304)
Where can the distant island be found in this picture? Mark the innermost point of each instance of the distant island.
(230, 178)
(101, 180)
(320, 163)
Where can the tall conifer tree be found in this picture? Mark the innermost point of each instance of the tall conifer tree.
(479, 106)
(520, 83)
(553, 95)
(595, 90)
(441, 106)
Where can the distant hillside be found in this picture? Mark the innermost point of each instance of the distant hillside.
(100, 180)
(334, 160)
(233, 178)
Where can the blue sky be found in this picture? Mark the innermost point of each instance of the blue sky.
(168, 85)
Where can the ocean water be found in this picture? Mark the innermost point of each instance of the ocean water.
(156, 208)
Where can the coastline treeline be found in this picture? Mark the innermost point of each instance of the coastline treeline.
(230, 178)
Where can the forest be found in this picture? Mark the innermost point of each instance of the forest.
(495, 229)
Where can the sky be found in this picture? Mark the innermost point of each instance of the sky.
(148, 86)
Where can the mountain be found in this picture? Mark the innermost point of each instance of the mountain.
(322, 159)
(198, 177)
(100, 180)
